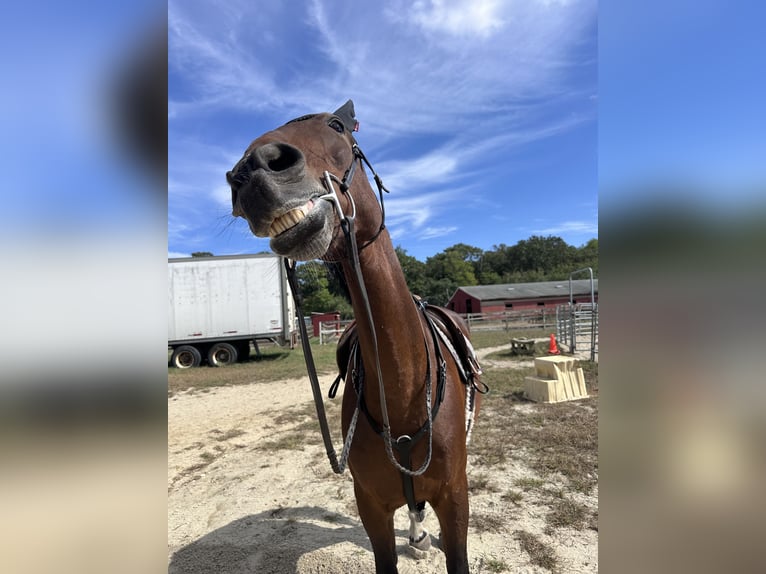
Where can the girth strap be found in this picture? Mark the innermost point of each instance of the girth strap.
(403, 446)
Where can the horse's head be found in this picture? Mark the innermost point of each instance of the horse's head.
(280, 187)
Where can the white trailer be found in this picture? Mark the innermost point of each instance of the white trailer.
(219, 305)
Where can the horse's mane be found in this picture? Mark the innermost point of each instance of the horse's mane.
(300, 119)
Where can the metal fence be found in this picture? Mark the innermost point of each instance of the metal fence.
(545, 319)
(577, 327)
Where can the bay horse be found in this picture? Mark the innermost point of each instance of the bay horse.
(408, 361)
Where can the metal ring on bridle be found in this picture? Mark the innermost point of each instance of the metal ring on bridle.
(332, 196)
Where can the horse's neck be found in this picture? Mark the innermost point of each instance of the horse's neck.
(400, 340)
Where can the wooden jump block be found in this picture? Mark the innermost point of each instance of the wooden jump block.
(557, 379)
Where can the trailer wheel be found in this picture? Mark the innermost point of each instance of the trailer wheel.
(221, 354)
(185, 357)
(243, 350)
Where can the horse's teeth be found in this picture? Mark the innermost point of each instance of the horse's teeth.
(287, 220)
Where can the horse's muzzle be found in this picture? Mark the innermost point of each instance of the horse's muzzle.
(263, 180)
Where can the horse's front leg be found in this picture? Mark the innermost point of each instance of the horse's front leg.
(379, 524)
(419, 538)
(451, 508)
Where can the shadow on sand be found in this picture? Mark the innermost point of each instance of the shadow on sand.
(276, 541)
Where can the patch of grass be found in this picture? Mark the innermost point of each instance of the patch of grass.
(275, 364)
(285, 441)
(566, 513)
(550, 439)
(540, 554)
(298, 427)
(208, 457)
(487, 522)
(526, 484)
(229, 434)
(485, 339)
(480, 483)
(513, 496)
(505, 383)
(495, 565)
(590, 372)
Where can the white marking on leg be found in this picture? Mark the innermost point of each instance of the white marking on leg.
(419, 537)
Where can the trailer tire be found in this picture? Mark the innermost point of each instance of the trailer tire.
(243, 350)
(185, 357)
(221, 354)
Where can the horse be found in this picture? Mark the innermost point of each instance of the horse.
(409, 361)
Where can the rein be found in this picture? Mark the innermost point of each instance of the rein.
(347, 226)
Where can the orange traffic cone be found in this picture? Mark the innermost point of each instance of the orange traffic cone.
(553, 348)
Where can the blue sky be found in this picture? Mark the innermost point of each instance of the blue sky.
(479, 115)
(681, 102)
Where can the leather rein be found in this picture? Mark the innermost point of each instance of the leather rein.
(404, 443)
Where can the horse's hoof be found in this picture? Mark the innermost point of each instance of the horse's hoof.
(416, 553)
(419, 548)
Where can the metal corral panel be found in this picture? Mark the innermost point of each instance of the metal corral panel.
(227, 297)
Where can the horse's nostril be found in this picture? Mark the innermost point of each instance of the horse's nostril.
(277, 157)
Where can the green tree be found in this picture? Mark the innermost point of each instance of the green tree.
(542, 254)
(454, 263)
(414, 271)
(317, 290)
(202, 254)
(587, 256)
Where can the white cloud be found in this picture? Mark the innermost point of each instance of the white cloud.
(415, 211)
(444, 89)
(431, 232)
(571, 227)
(458, 17)
(430, 168)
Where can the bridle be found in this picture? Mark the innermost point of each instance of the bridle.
(347, 223)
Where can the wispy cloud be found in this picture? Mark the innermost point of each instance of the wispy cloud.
(415, 211)
(431, 168)
(460, 18)
(445, 90)
(431, 232)
(444, 77)
(571, 228)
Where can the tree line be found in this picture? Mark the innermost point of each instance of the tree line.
(530, 260)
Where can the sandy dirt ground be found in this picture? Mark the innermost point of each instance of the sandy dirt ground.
(234, 508)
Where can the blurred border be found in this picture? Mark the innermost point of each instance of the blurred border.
(682, 225)
(83, 419)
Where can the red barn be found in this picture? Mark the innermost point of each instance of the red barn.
(514, 296)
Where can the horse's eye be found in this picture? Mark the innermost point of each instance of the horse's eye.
(337, 125)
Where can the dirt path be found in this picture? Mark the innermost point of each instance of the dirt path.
(234, 508)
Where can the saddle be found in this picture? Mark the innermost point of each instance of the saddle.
(445, 326)
(452, 331)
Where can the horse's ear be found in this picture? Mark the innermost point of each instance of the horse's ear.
(348, 116)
